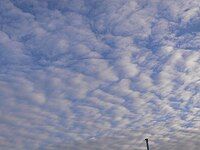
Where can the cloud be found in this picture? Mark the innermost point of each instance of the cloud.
(99, 74)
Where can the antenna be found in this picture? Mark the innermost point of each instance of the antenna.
(147, 144)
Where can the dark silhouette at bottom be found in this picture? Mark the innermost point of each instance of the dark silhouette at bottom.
(147, 144)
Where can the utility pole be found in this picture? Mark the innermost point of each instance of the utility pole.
(147, 144)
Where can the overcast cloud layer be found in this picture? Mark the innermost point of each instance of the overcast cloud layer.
(99, 74)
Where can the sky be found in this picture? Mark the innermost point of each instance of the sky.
(99, 74)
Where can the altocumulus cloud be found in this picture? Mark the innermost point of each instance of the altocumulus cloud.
(99, 74)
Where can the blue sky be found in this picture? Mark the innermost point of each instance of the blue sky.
(99, 74)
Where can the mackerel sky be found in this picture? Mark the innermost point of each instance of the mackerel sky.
(99, 74)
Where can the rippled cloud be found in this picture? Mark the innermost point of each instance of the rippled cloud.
(99, 74)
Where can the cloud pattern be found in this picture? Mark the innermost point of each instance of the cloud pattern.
(99, 74)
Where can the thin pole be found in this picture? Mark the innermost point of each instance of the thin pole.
(147, 144)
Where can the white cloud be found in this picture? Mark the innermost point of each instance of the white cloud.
(99, 74)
